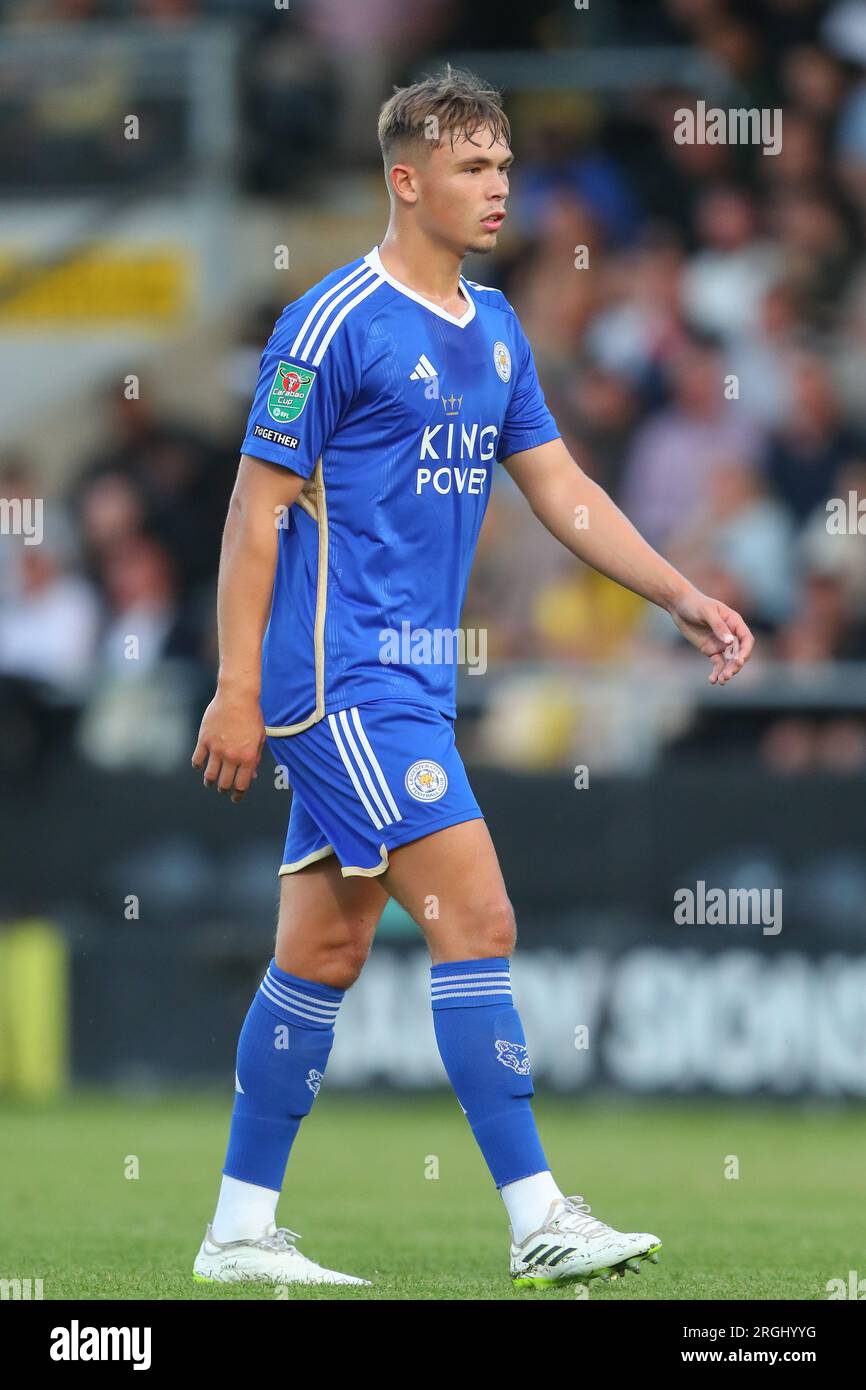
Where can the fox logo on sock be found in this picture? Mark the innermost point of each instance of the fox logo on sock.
(513, 1055)
(314, 1080)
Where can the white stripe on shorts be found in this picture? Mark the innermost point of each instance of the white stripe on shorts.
(350, 739)
(352, 773)
(356, 720)
(355, 760)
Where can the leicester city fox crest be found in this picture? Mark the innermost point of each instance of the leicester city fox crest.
(502, 360)
(513, 1055)
(426, 780)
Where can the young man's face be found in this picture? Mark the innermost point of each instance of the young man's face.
(461, 190)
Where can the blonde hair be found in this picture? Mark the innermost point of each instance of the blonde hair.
(453, 102)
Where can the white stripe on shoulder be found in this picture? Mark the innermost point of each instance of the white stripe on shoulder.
(358, 272)
(475, 285)
(323, 346)
(327, 312)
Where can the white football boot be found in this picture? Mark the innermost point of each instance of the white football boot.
(273, 1259)
(571, 1244)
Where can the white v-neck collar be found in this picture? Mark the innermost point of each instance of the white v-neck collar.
(374, 260)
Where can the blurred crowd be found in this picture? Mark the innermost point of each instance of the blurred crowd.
(705, 361)
(706, 367)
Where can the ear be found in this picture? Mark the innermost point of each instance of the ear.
(403, 181)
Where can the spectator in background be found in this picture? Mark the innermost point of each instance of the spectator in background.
(507, 578)
(145, 676)
(844, 32)
(562, 161)
(813, 84)
(111, 512)
(807, 451)
(734, 267)
(815, 248)
(50, 619)
(368, 43)
(848, 354)
(676, 451)
(163, 475)
(145, 619)
(742, 546)
(639, 331)
(555, 299)
(596, 410)
(761, 358)
(824, 550)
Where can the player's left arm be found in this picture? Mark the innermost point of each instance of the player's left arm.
(584, 518)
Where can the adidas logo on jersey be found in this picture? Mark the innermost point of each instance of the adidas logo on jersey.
(424, 369)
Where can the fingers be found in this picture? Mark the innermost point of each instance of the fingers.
(737, 651)
(226, 773)
(729, 628)
(718, 666)
(243, 778)
(730, 662)
(212, 771)
(743, 635)
(717, 618)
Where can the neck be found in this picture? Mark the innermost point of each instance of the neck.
(424, 265)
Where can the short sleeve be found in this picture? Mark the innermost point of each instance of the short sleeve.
(299, 399)
(528, 422)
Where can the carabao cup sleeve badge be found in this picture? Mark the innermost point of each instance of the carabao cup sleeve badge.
(289, 392)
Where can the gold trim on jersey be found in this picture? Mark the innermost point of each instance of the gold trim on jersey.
(312, 500)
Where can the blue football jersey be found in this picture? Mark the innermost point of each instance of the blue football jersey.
(396, 412)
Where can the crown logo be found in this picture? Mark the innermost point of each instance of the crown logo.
(452, 404)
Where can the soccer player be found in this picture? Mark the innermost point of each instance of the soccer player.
(388, 395)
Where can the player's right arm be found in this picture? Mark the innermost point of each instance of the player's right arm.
(308, 375)
(232, 732)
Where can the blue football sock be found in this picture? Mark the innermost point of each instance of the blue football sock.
(282, 1052)
(481, 1043)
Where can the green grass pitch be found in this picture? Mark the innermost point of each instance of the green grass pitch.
(356, 1189)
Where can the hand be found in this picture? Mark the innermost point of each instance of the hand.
(230, 742)
(716, 630)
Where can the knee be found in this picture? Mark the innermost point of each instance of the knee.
(496, 929)
(342, 965)
(337, 962)
(328, 958)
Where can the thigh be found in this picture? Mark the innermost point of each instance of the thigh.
(325, 916)
(452, 885)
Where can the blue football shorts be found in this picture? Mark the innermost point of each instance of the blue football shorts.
(369, 778)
